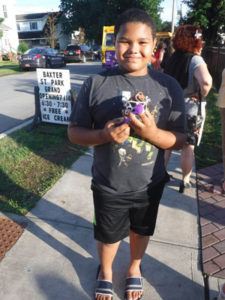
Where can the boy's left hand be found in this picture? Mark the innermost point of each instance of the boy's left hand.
(145, 127)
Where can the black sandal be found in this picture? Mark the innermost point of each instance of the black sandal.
(134, 284)
(103, 287)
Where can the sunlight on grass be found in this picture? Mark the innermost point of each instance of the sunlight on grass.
(210, 150)
(30, 163)
(8, 67)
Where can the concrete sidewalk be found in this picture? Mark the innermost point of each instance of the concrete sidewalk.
(56, 257)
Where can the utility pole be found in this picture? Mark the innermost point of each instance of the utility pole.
(173, 16)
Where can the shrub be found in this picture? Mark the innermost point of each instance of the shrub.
(23, 47)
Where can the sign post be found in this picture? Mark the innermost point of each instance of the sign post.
(54, 95)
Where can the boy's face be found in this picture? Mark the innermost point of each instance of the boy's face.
(134, 48)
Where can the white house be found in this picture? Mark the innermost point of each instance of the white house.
(31, 29)
(9, 41)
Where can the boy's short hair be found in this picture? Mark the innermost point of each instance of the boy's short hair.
(135, 15)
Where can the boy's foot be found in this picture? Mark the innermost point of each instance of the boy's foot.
(134, 288)
(104, 287)
(134, 285)
(103, 290)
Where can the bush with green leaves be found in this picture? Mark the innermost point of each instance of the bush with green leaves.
(23, 47)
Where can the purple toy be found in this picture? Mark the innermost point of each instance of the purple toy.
(138, 109)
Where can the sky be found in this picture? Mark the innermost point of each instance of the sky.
(28, 6)
(167, 6)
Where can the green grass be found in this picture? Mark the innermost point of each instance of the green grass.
(30, 163)
(9, 67)
(210, 150)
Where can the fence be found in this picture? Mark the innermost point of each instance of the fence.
(215, 59)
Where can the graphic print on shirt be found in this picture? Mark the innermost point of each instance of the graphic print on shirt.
(136, 104)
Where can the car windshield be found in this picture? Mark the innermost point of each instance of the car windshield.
(35, 51)
(84, 47)
(72, 47)
(51, 51)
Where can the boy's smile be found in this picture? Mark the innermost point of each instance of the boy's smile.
(134, 47)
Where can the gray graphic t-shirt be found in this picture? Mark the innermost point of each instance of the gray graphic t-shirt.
(135, 164)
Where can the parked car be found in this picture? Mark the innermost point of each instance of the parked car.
(97, 51)
(78, 53)
(41, 58)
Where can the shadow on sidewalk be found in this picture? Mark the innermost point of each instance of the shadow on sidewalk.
(85, 262)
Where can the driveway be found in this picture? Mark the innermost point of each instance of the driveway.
(17, 93)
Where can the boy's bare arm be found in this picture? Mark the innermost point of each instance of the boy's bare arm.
(91, 137)
(147, 129)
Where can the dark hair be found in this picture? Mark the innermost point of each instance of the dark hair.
(188, 38)
(133, 15)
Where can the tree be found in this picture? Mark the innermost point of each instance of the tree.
(166, 26)
(50, 28)
(23, 47)
(92, 15)
(209, 14)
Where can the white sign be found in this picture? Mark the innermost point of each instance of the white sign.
(54, 94)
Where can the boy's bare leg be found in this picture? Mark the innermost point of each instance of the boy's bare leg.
(138, 245)
(107, 253)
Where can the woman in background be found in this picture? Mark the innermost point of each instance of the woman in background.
(190, 70)
(168, 51)
(158, 56)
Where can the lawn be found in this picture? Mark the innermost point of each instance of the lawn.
(9, 67)
(31, 162)
(210, 150)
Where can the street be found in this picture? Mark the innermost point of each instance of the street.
(17, 93)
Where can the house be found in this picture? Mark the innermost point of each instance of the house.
(41, 29)
(9, 38)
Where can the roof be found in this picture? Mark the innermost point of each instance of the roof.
(26, 17)
(31, 35)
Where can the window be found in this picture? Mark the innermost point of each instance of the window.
(18, 26)
(72, 47)
(5, 14)
(33, 25)
(109, 39)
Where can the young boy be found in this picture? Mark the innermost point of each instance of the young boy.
(128, 168)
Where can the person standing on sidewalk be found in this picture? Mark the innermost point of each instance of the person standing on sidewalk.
(221, 295)
(158, 56)
(188, 67)
(221, 104)
(130, 115)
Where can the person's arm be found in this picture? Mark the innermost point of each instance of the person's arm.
(204, 79)
(161, 54)
(92, 137)
(146, 128)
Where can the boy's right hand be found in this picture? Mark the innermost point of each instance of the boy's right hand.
(112, 132)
